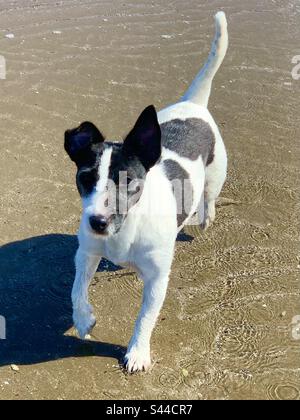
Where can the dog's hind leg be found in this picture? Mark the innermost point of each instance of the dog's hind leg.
(86, 267)
(215, 177)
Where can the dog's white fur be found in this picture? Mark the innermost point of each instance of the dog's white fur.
(145, 240)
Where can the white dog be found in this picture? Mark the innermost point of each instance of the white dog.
(181, 143)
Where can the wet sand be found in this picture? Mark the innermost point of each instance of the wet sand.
(225, 331)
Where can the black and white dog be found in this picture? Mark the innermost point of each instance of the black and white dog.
(183, 143)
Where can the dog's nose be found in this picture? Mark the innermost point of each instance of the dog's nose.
(99, 223)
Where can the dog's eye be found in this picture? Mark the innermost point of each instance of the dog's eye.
(87, 181)
(135, 186)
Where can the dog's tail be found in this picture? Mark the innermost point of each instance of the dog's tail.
(199, 91)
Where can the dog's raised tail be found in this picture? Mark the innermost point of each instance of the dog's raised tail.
(200, 89)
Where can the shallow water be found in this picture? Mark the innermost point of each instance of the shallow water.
(234, 289)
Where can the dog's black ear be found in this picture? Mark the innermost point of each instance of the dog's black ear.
(81, 143)
(144, 141)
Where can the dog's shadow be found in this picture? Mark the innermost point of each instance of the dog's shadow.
(36, 277)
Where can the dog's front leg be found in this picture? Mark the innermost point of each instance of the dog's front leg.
(138, 356)
(86, 267)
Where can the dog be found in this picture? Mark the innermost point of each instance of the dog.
(182, 142)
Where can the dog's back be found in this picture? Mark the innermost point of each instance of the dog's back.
(193, 149)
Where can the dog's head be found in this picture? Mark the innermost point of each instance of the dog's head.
(110, 175)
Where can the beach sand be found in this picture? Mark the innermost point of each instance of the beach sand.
(226, 328)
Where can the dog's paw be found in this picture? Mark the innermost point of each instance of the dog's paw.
(84, 321)
(137, 360)
(206, 224)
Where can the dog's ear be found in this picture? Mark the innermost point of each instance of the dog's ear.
(81, 143)
(144, 141)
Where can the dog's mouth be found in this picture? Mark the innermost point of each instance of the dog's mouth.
(100, 234)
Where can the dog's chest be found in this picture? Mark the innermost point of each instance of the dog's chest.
(118, 252)
(119, 248)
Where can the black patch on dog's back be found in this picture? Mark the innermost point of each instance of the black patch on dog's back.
(189, 138)
(175, 172)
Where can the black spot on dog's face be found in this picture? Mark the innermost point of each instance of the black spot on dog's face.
(128, 176)
(131, 161)
(86, 180)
